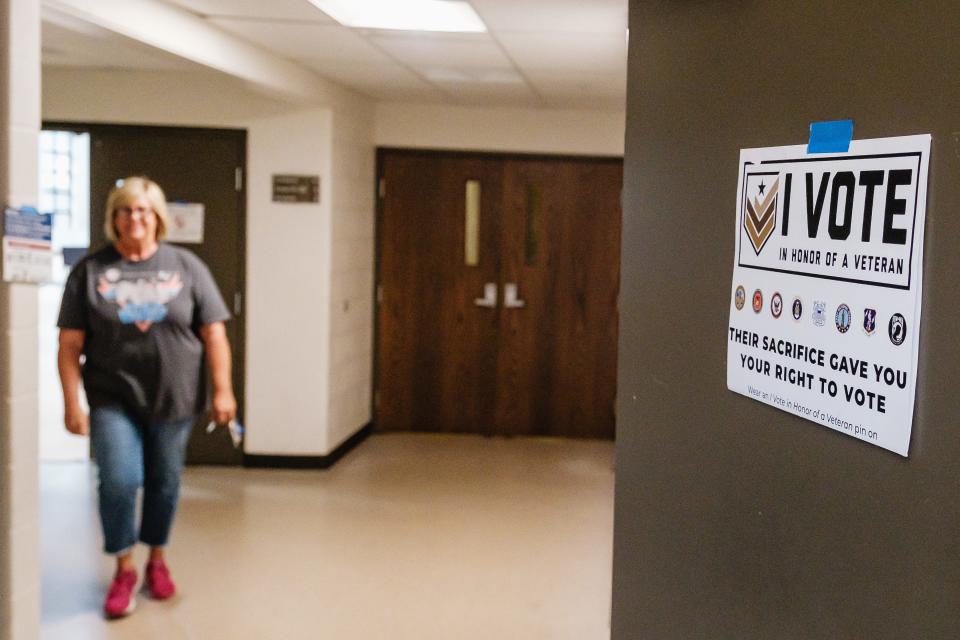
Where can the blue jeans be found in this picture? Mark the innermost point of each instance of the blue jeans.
(131, 455)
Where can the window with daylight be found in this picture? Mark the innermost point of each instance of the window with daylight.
(65, 192)
(65, 186)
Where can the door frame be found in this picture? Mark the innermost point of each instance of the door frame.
(237, 319)
(381, 153)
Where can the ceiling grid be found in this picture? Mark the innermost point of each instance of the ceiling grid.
(557, 54)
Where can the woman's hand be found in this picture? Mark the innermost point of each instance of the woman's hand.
(68, 364)
(224, 406)
(76, 421)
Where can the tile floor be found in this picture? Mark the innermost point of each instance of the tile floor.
(414, 537)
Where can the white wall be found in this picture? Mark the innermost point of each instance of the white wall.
(351, 335)
(552, 131)
(293, 263)
(19, 399)
(288, 289)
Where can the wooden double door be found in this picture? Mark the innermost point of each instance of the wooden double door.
(497, 294)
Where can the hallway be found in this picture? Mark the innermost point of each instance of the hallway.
(407, 537)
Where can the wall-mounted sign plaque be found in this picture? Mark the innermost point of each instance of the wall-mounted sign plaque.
(292, 188)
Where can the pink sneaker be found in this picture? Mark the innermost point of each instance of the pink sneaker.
(158, 580)
(120, 600)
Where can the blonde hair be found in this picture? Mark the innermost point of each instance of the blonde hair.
(128, 190)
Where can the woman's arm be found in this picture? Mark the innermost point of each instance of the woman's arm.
(224, 405)
(68, 363)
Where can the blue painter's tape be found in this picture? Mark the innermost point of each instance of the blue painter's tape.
(833, 136)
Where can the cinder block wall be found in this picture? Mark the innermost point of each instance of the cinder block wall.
(351, 309)
(19, 379)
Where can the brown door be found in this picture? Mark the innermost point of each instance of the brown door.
(556, 365)
(437, 356)
(191, 165)
(543, 359)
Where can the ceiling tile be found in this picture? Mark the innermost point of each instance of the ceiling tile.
(537, 16)
(304, 41)
(557, 53)
(566, 82)
(586, 102)
(385, 81)
(567, 51)
(461, 75)
(513, 95)
(454, 50)
(277, 9)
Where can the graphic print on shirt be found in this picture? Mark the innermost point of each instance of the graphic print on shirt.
(141, 296)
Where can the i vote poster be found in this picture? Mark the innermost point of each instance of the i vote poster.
(827, 281)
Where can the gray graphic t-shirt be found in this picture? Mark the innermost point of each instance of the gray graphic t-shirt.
(142, 320)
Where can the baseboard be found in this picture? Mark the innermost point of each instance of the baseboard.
(257, 461)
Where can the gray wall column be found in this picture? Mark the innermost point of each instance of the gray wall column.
(734, 519)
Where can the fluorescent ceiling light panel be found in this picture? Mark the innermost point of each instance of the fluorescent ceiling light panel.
(405, 15)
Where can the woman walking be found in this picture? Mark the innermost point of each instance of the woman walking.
(146, 317)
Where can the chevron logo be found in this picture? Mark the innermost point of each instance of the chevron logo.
(761, 216)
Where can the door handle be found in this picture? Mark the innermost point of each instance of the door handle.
(510, 299)
(489, 298)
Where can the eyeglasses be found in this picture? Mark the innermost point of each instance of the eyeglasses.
(143, 212)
